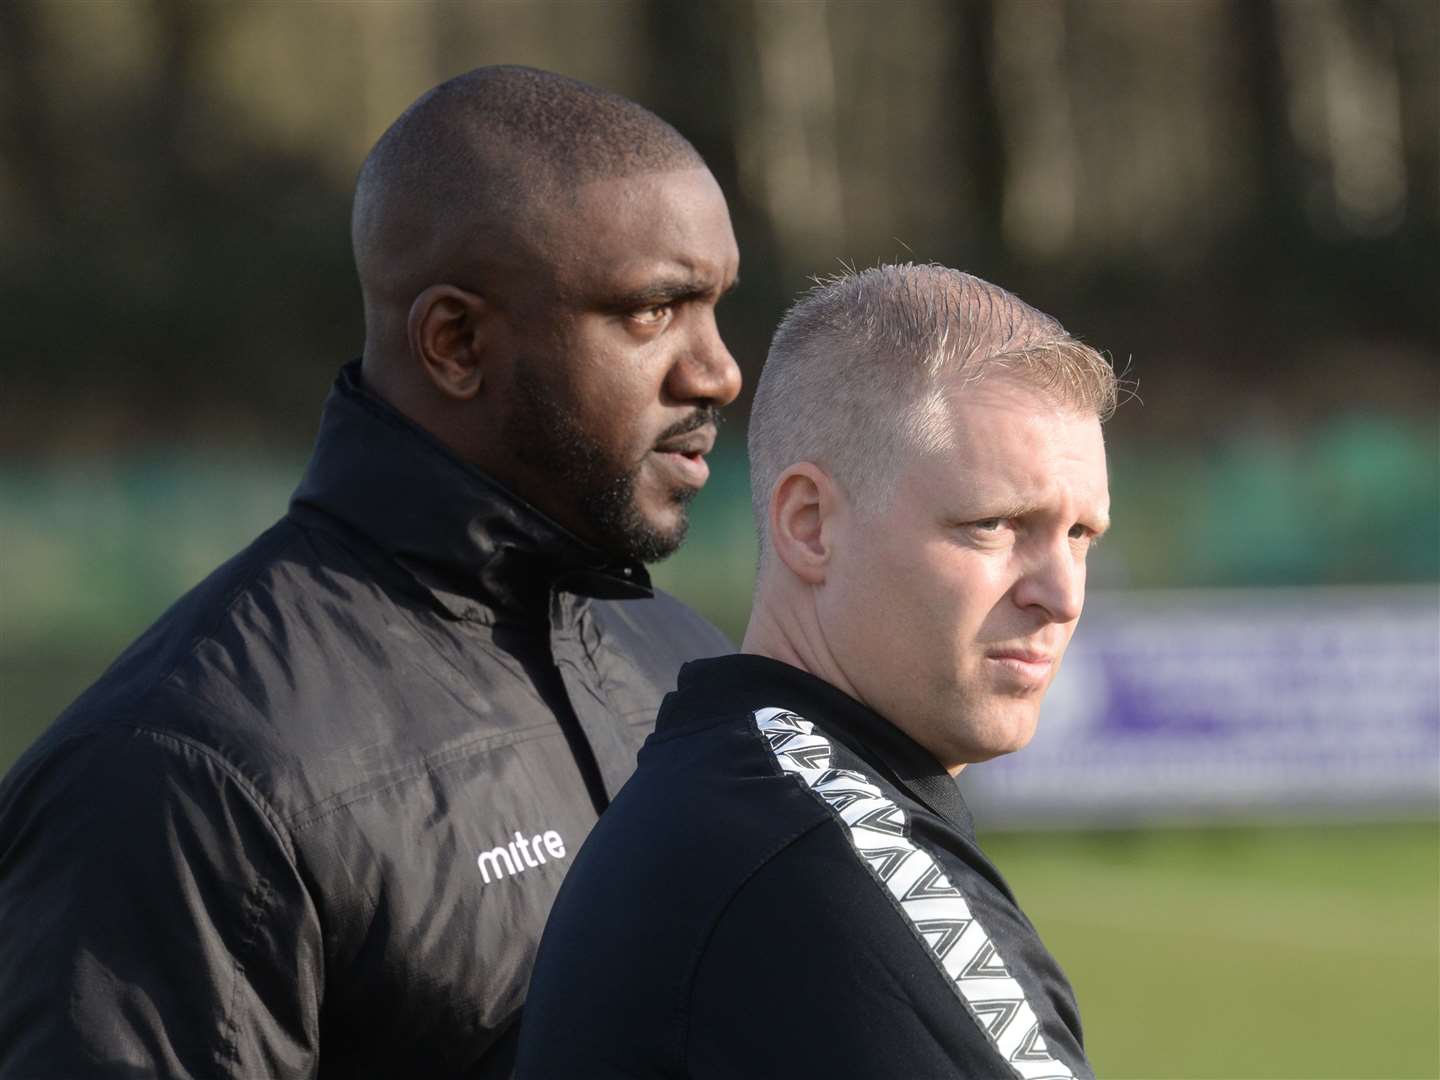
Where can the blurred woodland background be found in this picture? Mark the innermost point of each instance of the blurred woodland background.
(1240, 196)
(1237, 199)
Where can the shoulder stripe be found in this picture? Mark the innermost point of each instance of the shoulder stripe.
(936, 909)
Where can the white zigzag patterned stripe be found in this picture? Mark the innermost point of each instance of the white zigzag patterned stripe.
(878, 831)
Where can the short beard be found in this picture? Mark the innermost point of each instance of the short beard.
(624, 531)
(547, 436)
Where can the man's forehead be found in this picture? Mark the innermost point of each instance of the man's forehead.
(654, 231)
(999, 437)
(553, 203)
(637, 186)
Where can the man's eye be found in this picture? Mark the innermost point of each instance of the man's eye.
(651, 316)
(988, 525)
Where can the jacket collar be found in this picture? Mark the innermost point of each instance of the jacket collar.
(743, 683)
(458, 531)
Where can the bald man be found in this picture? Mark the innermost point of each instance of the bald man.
(790, 886)
(311, 823)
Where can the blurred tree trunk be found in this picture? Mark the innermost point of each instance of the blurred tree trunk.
(1035, 92)
(691, 79)
(787, 133)
(30, 138)
(1284, 174)
(978, 143)
(699, 77)
(165, 126)
(1414, 27)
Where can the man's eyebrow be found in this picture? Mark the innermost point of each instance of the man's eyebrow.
(668, 292)
(1021, 508)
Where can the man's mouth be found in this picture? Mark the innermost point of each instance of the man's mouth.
(681, 448)
(683, 455)
(695, 443)
(1029, 665)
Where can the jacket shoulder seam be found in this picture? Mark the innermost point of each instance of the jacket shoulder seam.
(258, 897)
(274, 820)
(305, 819)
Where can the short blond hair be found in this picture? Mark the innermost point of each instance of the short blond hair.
(860, 366)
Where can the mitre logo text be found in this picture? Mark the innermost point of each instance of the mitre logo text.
(519, 855)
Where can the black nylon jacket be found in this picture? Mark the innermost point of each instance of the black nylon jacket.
(311, 822)
(790, 886)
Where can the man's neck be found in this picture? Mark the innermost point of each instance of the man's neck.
(785, 628)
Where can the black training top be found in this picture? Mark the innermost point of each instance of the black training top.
(789, 886)
(311, 823)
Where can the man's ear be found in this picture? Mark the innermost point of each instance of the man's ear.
(803, 510)
(449, 330)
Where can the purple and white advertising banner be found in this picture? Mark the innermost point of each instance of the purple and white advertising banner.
(1223, 705)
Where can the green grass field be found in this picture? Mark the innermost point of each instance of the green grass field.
(1302, 952)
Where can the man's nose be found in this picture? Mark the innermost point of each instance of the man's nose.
(705, 372)
(1054, 581)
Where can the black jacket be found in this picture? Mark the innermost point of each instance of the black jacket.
(790, 887)
(311, 822)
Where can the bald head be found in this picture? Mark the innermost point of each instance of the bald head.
(860, 368)
(456, 189)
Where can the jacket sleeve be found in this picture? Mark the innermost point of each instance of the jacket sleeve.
(814, 970)
(154, 923)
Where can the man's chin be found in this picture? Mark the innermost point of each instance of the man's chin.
(1005, 733)
(655, 545)
(650, 535)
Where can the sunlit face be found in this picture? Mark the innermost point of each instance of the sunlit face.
(620, 367)
(949, 610)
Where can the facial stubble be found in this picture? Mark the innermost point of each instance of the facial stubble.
(549, 437)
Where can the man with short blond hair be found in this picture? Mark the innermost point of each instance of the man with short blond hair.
(858, 371)
(790, 885)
